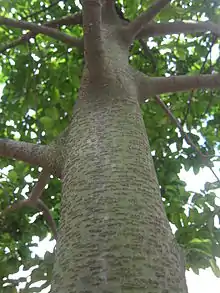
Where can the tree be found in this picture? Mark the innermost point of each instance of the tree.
(114, 234)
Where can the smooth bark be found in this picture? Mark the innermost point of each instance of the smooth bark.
(151, 86)
(177, 27)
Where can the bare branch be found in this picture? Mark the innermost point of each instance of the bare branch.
(34, 196)
(15, 43)
(41, 29)
(34, 154)
(35, 202)
(92, 10)
(72, 19)
(205, 158)
(148, 54)
(161, 29)
(174, 119)
(151, 86)
(190, 98)
(39, 187)
(140, 23)
(56, 23)
(14, 207)
(48, 217)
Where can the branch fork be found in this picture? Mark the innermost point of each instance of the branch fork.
(34, 201)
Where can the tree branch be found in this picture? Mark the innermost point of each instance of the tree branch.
(161, 29)
(92, 10)
(109, 13)
(190, 98)
(35, 202)
(27, 152)
(140, 23)
(56, 23)
(151, 86)
(148, 54)
(39, 187)
(48, 217)
(41, 29)
(72, 19)
(204, 158)
(175, 121)
(42, 10)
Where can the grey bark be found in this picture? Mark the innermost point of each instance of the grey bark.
(114, 235)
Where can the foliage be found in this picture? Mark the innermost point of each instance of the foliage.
(42, 79)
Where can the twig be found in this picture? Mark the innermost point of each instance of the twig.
(148, 53)
(205, 158)
(209, 104)
(192, 91)
(35, 202)
(189, 102)
(41, 10)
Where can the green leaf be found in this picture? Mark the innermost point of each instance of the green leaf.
(12, 176)
(52, 113)
(215, 268)
(47, 122)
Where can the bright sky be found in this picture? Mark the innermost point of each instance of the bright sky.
(206, 279)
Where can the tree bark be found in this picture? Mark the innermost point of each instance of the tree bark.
(114, 235)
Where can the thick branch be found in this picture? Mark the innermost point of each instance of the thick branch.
(27, 152)
(109, 14)
(140, 23)
(158, 85)
(41, 29)
(92, 10)
(161, 29)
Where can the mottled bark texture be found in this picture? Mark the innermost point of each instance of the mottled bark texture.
(114, 235)
(47, 156)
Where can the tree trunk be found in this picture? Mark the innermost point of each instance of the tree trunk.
(114, 235)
